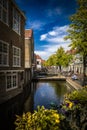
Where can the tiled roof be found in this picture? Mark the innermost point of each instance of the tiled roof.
(28, 33)
(38, 57)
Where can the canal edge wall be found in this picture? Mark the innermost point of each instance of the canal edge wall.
(69, 82)
(51, 78)
(74, 85)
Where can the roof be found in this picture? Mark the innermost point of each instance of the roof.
(38, 57)
(28, 33)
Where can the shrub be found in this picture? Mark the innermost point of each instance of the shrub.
(72, 115)
(75, 109)
(79, 96)
(42, 119)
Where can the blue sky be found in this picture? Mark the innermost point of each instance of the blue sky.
(49, 20)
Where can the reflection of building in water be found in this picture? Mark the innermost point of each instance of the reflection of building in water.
(8, 112)
(13, 107)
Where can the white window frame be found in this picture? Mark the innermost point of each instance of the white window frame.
(5, 10)
(16, 21)
(12, 82)
(2, 53)
(17, 57)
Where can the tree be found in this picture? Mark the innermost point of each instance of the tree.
(62, 58)
(77, 31)
(78, 28)
(51, 60)
(59, 57)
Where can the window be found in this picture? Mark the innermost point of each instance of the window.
(11, 81)
(4, 53)
(16, 21)
(37, 62)
(4, 11)
(16, 57)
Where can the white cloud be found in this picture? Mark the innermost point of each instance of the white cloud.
(43, 37)
(56, 35)
(58, 40)
(55, 39)
(36, 25)
(52, 33)
(43, 54)
(61, 29)
(51, 49)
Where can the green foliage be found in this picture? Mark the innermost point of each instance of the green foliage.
(79, 96)
(77, 31)
(42, 119)
(75, 100)
(45, 63)
(60, 58)
(74, 106)
(75, 109)
(51, 60)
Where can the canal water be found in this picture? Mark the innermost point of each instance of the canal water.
(44, 94)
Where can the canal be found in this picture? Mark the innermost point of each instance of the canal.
(45, 94)
(40, 93)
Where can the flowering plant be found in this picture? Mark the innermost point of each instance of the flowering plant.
(42, 119)
(70, 115)
(78, 96)
(74, 108)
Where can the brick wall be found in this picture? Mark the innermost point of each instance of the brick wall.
(8, 35)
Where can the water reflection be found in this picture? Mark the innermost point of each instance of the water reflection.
(36, 93)
(49, 92)
(13, 107)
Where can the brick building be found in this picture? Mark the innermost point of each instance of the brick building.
(12, 52)
(29, 55)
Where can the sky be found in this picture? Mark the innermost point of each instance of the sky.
(49, 20)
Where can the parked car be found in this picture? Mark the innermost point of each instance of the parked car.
(74, 77)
